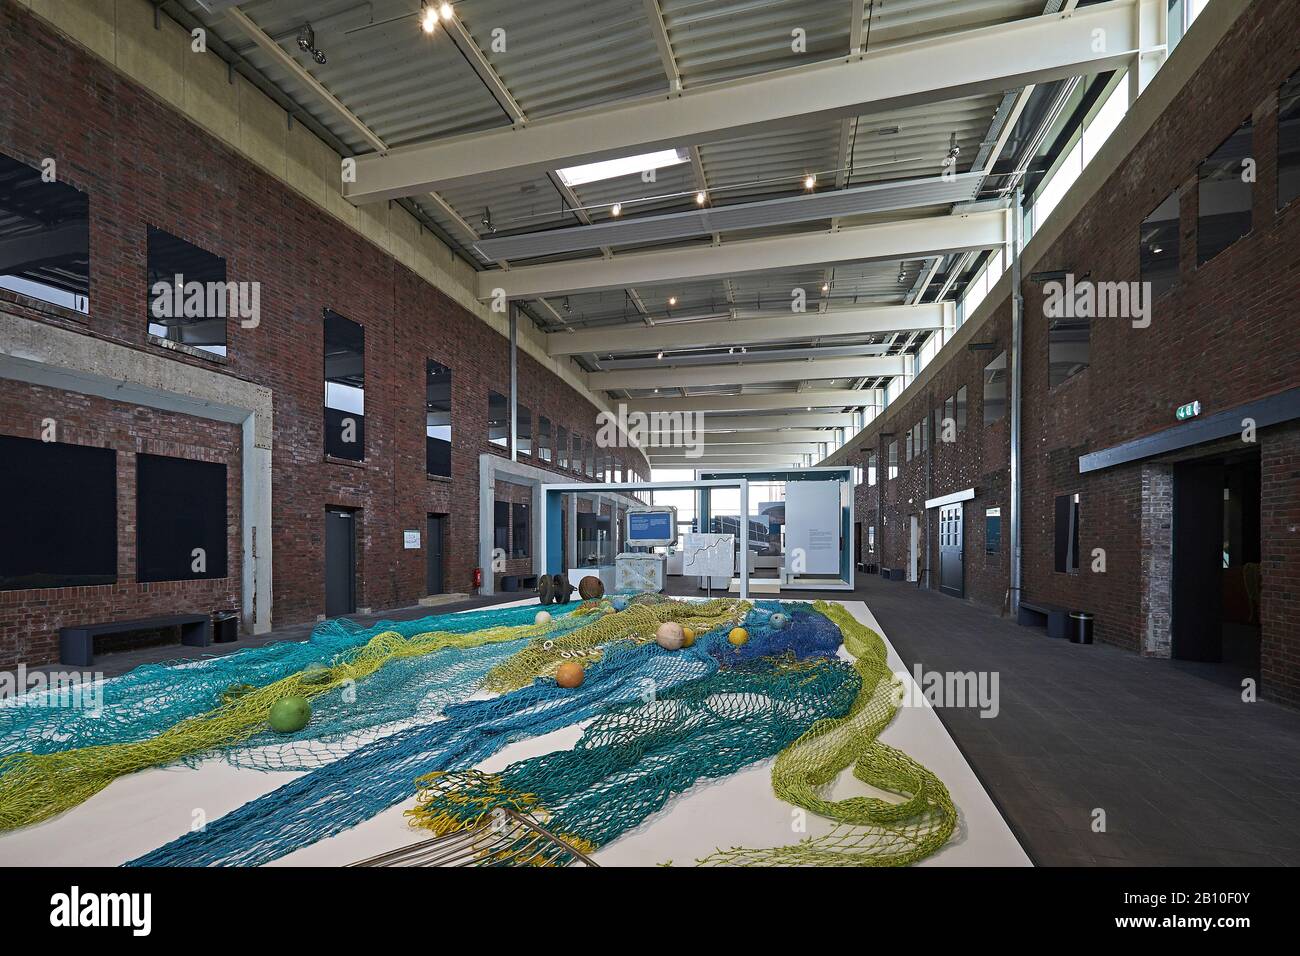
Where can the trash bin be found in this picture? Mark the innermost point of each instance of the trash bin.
(1080, 627)
(225, 627)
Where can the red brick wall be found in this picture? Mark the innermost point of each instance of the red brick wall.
(142, 164)
(1226, 334)
(29, 620)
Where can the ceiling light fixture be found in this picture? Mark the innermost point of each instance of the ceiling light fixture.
(626, 166)
(826, 287)
(616, 209)
(660, 356)
(700, 198)
(428, 18)
(810, 181)
(307, 43)
(672, 300)
(446, 11)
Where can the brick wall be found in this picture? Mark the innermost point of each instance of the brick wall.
(143, 164)
(1225, 334)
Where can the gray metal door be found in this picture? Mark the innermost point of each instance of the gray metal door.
(433, 571)
(952, 576)
(340, 562)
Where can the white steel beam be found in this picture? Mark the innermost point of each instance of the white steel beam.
(903, 239)
(762, 437)
(750, 373)
(985, 60)
(759, 401)
(787, 449)
(749, 328)
(739, 423)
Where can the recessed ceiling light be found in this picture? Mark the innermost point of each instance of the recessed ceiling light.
(616, 209)
(626, 166)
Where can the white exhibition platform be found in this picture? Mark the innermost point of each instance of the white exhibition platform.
(140, 812)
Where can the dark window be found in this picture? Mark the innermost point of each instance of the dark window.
(577, 454)
(437, 419)
(498, 420)
(58, 527)
(925, 433)
(995, 389)
(1288, 141)
(589, 456)
(525, 431)
(961, 409)
(180, 522)
(1067, 533)
(1158, 245)
(519, 530)
(907, 444)
(893, 460)
(1068, 349)
(188, 299)
(44, 237)
(561, 447)
(345, 388)
(992, 530)
(949, 415)
(544, 438)
(871, 467)
(1225, 180)
(501, 526)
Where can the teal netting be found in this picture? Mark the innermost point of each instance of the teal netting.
(382, 773)
(154, 697)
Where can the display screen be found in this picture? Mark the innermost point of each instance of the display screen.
(650, 527)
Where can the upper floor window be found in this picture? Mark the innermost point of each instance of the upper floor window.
(995, 389)
(544, 438)
(345, 388)
(1288, 141)
(871, 468)
(1224, 182)
(562, 447)
(524, 432)
(1067, 533)
(1158, 245)
(437, 419)
(188, 297)
(498, 420)
(44, 237)
(1068, 349)
(961, 409)
(893, 460)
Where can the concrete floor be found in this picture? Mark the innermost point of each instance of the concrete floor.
(1185, 772)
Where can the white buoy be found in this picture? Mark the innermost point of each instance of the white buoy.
(543, 617)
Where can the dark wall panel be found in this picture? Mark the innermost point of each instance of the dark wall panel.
(180, 506)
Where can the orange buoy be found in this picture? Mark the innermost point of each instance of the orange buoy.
(688, 637)
(570, 674)
(738, 636)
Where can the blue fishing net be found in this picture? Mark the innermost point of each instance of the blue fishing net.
(154, 697)
(382, 773)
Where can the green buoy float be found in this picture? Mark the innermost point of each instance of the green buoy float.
(289, 715)
(233, 692)
(315, 674)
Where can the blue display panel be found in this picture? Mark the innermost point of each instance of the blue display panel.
(650, 527)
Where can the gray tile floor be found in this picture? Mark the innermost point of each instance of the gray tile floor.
(1186, 773)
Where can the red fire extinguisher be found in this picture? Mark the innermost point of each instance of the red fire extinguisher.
(478, 578)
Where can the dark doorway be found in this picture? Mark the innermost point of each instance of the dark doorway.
(433, 575)
(340, 562)
(1216, 563)
(952, 570)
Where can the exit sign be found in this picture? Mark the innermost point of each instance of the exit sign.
(1190, 410)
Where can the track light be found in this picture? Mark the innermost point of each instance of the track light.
(307, 43)
(428, 19)
(616, 209)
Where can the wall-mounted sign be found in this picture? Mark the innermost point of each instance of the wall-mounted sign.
(1190, 410)
(410, 540)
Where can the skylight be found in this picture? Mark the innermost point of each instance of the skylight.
(624, 166)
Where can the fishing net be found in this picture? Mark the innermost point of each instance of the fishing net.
(870, 831)
(36, 786)
(151, 698)
(632, 759)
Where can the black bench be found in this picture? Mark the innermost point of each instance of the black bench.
(77, 644)
(1036, 614)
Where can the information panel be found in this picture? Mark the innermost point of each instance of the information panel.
(812, 527)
